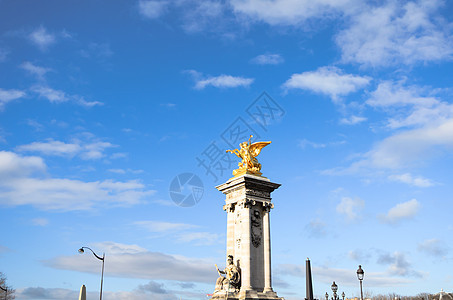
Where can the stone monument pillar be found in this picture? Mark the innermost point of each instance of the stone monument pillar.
(248, 203)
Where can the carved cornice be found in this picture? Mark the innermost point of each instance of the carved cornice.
(249, 182)
(258, 193)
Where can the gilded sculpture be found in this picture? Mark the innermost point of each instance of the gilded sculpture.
(248, 153)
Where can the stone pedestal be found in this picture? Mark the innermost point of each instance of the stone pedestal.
(248, 204)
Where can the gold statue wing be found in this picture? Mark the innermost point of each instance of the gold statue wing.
(255, 148)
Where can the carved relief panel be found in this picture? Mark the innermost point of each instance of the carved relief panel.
(256, 228)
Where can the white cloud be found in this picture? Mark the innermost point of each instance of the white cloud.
(35, 125)
(393, 33)
(180, 232)
(304, 143)
(412, 106)
(88, 150)
(112, 248)
(58, 96)
(352, 120)
(399, 264)
(42, 38)
(193, 16)
(146, 292)
(69, 194)
(143, 292)
(20, 184)
(54, 96)
(202, 15)
(402, 211)
(426, 131)
(208, 8)
(223, 81)
(408, 147)
(162, 227)
(117, 171)
(40, 222)
(118, 155)
(389, 94)
(95, 150)
(38, 71)
(52, 147)
(13, 165)
(4, 249)
(330, 81)
(434, 247)
(152, 9)
(100, 50)
(9, 95)
(350, 208)
(268, 59)
(3, 54)
(424, 116)
(140, 264)
(167, 105)
(124, 171)
(81, 101)
(348, 277)
(316, 228)
(199, 238)
(153, 287)
(46, 293)
(359, 255)
(289, 12)
(411, 180)
(404, 149)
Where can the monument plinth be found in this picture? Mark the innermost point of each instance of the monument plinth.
(248, 204)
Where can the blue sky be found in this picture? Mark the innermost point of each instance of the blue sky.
(104, 103)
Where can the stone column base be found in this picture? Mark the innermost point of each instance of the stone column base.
(247, 295)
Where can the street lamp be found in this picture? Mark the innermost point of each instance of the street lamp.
(334, 290)
(360, 275)
(100, 258)
(5, 289)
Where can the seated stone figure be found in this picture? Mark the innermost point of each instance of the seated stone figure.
(232, 279)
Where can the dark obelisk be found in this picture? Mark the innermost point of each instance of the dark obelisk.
(308, 283)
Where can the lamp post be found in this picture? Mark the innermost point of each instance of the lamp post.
(334, 288)
(360, 274)
(100, 258)
(5, 289)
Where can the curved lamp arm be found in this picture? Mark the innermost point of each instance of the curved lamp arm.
(97, 256)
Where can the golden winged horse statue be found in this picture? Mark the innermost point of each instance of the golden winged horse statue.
(248, 153)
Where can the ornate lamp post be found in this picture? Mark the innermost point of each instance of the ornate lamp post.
(100, 258)
(360, 274)
(334, 290)
(5, 289)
